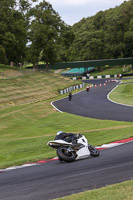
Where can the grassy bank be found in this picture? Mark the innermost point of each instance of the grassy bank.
(119, 191)
(4, 68)
(31, 88)
(111, 70)
(108, 70)
(124, 93)
(24, 132)
(28, 121)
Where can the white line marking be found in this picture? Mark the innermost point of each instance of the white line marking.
(55, 106)
(61, 99)
(18, 167)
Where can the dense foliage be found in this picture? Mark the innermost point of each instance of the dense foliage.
(33, 31)
(12, 31)
(108, 34)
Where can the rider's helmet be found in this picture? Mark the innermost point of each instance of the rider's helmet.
(59, 132)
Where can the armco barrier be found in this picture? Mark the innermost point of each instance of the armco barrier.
(75, 87)
(97, 77)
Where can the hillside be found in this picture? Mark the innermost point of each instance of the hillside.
(23, 88)
(108, 34)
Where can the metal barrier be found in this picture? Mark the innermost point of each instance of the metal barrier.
(97, 77)
(75, 87)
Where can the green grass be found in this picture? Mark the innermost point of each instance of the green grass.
(4, 68)
(24, 132)
(123, 94)
(112, 70)
(31, 88)
(121, 191)
(28, 121)
(108, 71)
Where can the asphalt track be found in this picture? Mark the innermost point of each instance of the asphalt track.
(95, 104)
(55, 179)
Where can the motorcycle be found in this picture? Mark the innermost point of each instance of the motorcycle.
(69, 152)
(70, 96)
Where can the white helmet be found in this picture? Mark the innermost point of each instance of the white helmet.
(59, 132)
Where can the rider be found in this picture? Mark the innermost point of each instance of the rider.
(87, 88)
(68, 137)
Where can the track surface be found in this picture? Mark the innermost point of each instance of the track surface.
(55, 179)
(95, 104)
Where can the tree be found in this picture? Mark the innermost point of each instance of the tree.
(2, 55)
(64, 44)
(108, 34)
(13, 30)
(46, 32)
(128, 38)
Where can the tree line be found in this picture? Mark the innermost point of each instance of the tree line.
(32, 31)
(106, 35)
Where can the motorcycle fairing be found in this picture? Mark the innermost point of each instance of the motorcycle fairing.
(82, 153)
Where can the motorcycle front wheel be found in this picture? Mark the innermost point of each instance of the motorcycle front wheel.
(93, 151)
(63, 154)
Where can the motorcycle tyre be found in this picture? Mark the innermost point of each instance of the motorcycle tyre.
(64, 157)
(93, 151)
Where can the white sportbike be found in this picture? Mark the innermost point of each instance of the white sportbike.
(69, 152)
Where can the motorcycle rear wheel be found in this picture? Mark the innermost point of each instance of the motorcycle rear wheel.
(69, 98)
(63, 154)
(93, 151)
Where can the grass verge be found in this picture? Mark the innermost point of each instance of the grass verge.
(123, 93)
(112, 70)
(24, 133)
(119, 191)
